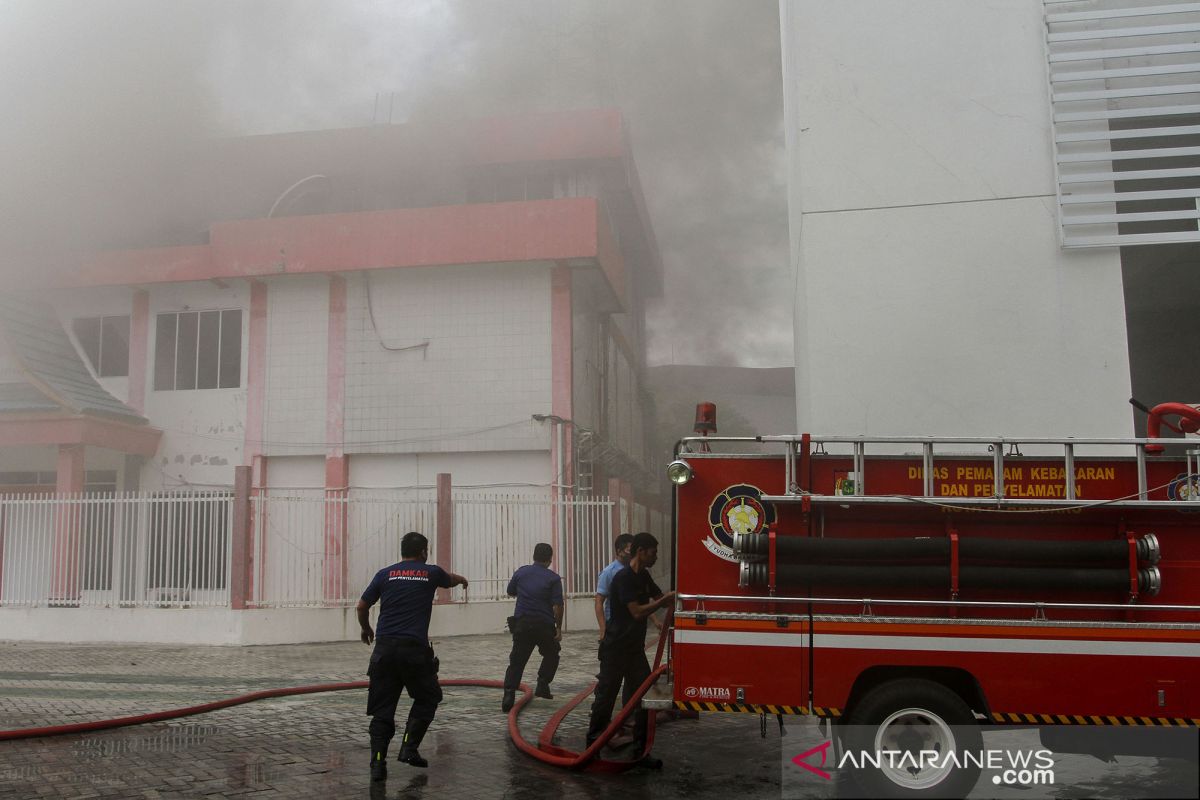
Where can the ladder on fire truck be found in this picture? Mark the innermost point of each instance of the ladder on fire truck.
(798, 449)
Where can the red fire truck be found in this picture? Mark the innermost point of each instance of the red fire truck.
(893, 584)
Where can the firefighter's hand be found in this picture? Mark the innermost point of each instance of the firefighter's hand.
(666, 599)
(600, 636)
(367, 635)
(558, 634)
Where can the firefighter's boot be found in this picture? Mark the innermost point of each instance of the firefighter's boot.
(378, 763)
(543, 690)
(649, 762)
(382, 731)
(506, 702)
(414, 732)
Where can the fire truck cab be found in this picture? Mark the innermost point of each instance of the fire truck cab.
(938, 584)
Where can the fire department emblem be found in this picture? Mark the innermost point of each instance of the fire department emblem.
(1185, 487)
(738, 509)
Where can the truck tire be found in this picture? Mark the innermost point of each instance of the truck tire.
(914, 714)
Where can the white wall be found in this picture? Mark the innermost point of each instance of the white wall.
(933, 297)
(296, 472)
(297, 352)
(487, 362)
(203, 429)
(491, 470)
(266, 626)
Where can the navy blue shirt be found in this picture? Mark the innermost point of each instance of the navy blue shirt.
(536, 589)
(628, 587)
(407, 590)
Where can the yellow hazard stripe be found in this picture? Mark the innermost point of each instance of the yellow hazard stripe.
(1026, 718)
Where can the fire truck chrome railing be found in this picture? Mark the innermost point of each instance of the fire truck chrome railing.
(997, 447)
(866, 602)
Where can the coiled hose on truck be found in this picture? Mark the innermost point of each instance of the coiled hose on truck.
(544, 751)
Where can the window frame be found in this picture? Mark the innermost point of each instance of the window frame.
(98, 366)
(222, 370)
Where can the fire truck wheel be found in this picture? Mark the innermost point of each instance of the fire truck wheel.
(914, 716)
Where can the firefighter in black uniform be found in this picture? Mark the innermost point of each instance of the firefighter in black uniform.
(635, 596)
(402, 658)
(536, 622)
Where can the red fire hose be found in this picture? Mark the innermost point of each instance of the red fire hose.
(545, 750)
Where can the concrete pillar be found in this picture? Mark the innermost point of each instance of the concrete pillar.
(444, 555)
(139, 349)
(618, 524)
(64, 579)
(242, 554)
(337, 517)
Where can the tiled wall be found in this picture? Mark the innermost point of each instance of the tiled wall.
(476, 367)
(297, 351)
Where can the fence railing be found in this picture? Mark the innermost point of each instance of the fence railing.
(319, 549)
(298, 548)
(496, 534)
(125, 549)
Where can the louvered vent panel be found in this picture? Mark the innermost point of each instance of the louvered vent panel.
(1125, 88)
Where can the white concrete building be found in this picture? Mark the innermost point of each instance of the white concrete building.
(963, 264)
(385, 318)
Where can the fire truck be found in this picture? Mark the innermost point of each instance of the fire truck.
(940, 585)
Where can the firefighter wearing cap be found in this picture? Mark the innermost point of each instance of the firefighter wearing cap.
(402, 658)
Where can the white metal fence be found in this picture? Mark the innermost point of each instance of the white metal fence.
(304, 548)
(496, 534)
(125, 549)
(297, 532)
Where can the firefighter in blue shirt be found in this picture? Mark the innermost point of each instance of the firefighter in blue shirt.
(603, 605)
(536, 622)
(402, 658)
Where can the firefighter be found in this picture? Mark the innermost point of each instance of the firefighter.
(635, 596)
(402, 658)
(623, 550)
(536, 622)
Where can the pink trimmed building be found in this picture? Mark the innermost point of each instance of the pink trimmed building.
(360, 310)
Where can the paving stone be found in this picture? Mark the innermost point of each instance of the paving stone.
(316, 744)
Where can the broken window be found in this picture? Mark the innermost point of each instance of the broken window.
(198, 350)
(105, 342)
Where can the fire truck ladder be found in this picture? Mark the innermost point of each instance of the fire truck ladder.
(799, 449)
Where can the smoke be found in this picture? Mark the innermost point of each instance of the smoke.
(102, 104)
(109, 101)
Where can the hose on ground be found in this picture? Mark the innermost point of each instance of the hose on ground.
(545, 750)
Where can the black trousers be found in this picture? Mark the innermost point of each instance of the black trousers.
(623, 665)
(528, 633)
(396, 665)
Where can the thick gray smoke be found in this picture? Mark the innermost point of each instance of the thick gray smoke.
(107, 101)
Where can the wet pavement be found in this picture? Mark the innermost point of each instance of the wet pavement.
(316, 745)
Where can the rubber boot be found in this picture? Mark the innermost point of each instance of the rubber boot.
(647, 761)
(378, 762)
(414, 732)
(543, 690)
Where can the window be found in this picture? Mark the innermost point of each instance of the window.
(198, 350)
(105, 342)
